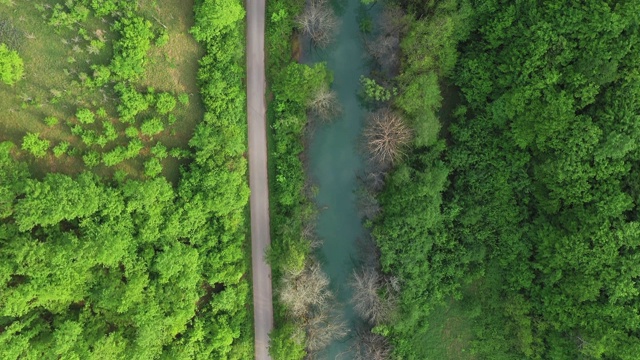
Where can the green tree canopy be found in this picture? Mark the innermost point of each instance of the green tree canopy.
(11, 65)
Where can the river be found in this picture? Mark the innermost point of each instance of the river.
(335, 158)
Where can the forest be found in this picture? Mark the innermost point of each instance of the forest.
(501, 145)
(517, 214)
(108, 248)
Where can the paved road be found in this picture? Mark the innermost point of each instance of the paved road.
(259, 200)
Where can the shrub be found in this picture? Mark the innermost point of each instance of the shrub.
(131, 102)
(109, 131)
(102, 113)
(163, 38)
(120, 176)
(375, 92)
(51, 121)
(152, 127)
(282, 347)
(101, 75)
(152, 167)
(34, 145)
(130, 51)
(91, 159)
(11, 65)
(60, 17)
(165, 103)
(85, 116)
(102, 141)
(77, 130)
(133, 148)
(183, 99)
(159, 151)
(132, 132)
(114, 157)
(61, 148)
(179, 153)
(89, 137)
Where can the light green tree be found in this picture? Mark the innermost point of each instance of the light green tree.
(11, 65)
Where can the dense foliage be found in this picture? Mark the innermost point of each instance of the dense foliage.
(412, 230)
(134, 269)
(551, 101)
(534, 196)
(11, 65)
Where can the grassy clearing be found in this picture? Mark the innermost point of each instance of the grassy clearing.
(57, 62)
(173, 68)
(449, 336)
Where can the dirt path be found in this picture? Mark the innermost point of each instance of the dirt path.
(259, 201)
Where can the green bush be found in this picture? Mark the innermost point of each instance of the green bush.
(163, 38)
(101, 75)
(131, 104)
(152, 167)
(61, 148)
(159, 151)
(152, 127)
(102, 113)
(91, 159)
(34, 145)
(183, 99)
(11, 65)
(133, 148)
(375, 92)
(132, 132)
(287, 343)
(179, 153)
(51, 121)
(89, 137)
(165, 103)
(130, 51)
(109, 130)
(114, 157)
(85, 116)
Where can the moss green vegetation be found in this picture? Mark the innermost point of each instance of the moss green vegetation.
(532, 196)
(126, 266)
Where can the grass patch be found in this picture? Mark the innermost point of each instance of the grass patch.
(173, 68)
(449, 335)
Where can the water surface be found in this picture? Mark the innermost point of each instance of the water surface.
(334, 160)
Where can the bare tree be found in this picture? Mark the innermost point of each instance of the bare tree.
(385, 49)
(324, 326)
(367, 300)
(394, 21)
(308, 300)
(324, 104)
(319, 22)
(301, 291)
(370, 346)
(386, 136)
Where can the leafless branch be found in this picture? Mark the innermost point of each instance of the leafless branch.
(386, 136)
(318, 22)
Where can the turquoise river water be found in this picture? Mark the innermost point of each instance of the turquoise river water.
(335, 158)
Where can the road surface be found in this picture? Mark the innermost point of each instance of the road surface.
(259, 200)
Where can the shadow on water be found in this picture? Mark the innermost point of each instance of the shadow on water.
(334, 161)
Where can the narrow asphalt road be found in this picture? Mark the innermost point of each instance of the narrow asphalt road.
(258, 182)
